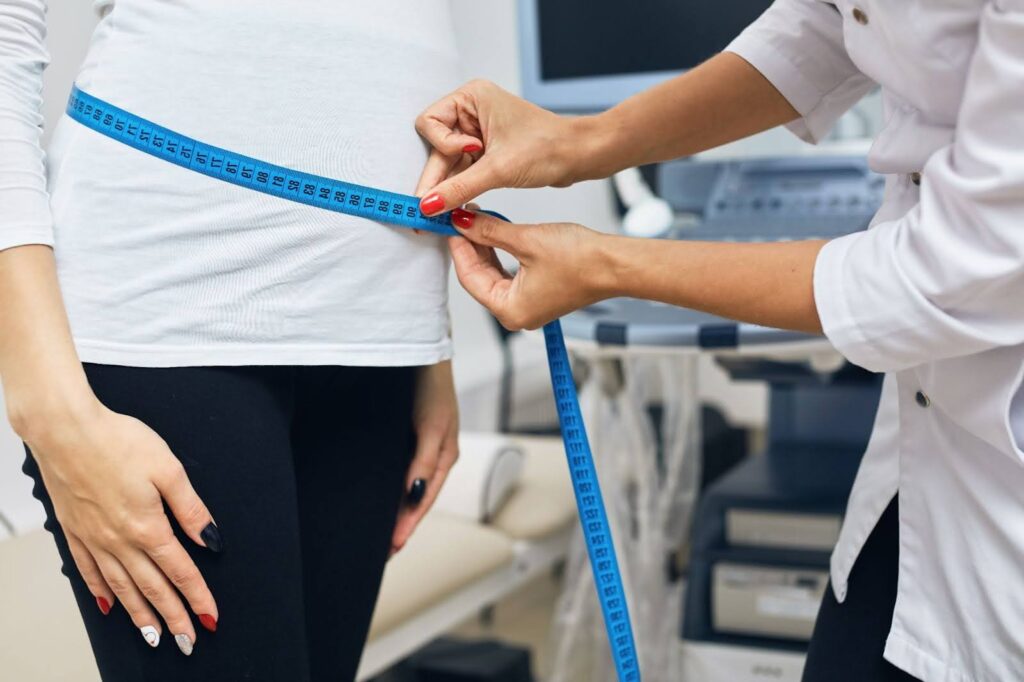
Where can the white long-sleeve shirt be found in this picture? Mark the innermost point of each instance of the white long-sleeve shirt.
(933, 294)
(160, 266)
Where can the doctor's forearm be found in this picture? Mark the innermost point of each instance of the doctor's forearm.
(723, 100)
(766, 284)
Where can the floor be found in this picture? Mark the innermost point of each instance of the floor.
(523, 619)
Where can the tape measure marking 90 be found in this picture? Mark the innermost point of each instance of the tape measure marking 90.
(401, 210)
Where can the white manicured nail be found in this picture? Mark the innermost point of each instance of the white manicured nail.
(184, 643)
(150, 634)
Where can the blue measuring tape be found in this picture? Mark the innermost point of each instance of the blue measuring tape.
(401, 210)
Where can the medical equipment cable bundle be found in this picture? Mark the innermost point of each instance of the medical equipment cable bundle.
(403, 211)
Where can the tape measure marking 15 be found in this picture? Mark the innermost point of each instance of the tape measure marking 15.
(401, 210)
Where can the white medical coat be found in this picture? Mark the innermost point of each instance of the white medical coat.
(933, 295)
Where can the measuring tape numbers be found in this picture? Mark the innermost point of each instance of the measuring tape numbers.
(403, 211)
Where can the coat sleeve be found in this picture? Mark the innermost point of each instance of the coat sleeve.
(947, 279)
(24, 203)
(798, 46)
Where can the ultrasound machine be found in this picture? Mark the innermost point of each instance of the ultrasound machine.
(760, 538)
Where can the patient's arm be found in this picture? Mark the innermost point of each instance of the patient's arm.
(107, 474)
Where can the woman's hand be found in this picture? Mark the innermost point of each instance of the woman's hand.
(108, 476)
(484, 138)
(561, 268)
(436, 421)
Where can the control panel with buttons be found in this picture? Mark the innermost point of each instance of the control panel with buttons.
(772, 199)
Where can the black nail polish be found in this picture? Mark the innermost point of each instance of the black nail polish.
(211, 536)
(416, 491)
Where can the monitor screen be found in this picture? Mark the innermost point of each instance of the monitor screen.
(582, 38)
(588, 54)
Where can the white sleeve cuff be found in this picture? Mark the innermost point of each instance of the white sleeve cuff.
(22, 235)
(838, 321)
(14, 236)
(787, 79)
(25, 216)
(873, 312)
(798, 46)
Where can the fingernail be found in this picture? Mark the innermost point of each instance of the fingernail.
(103, 604)
(462, 218)
(208, 621)
(431, 204)
(184, 643)
(150, 634)
(472, 148)
(416, 491)
(211, 537)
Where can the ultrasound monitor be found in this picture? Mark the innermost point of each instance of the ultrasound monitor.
(588, 55)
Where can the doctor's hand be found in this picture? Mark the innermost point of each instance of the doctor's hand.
(436, 423)
(483, 138)
(561, 268)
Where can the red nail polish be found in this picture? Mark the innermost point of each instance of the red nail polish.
(431, 204)
(463, 219)
(103, 604)
(208, 621)
(472, 148)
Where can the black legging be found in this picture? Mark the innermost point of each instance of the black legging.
(849, 638)
(303, 469)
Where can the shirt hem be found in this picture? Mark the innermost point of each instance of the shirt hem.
(903, 653)
(249, 354)
(847, 551)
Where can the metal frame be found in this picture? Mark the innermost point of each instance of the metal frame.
(530, 559)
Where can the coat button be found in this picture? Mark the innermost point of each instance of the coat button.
(860, 16)
(922, 399)
(915, 178)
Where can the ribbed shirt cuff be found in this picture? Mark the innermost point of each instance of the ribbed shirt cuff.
(22, 235)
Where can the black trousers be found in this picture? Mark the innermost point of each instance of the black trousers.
(849, 638)
(303, 469)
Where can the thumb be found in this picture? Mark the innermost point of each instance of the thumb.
(461, 188)
(190, 511)
(486, 230)
(447, 139)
